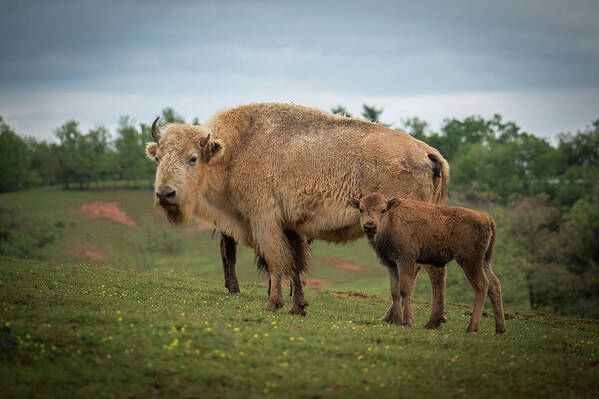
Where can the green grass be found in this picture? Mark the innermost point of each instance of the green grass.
(85, 330)
(155, 246)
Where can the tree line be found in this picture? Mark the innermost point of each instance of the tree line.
(78, 160)
(545, 197)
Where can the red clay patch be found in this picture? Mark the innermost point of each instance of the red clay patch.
(316, 283)
(359, 296)
(86, 249)
(108, 210)
(342, 264)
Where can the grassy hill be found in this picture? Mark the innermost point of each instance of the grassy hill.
(87, 330)
(86, 226)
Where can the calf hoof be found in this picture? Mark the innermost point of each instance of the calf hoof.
(471, 330)
(433, 324)
(272, 306)
(500, 331)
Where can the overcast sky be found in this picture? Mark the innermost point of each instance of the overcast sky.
(534, 62)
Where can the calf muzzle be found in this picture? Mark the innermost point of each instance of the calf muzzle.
(369, 228)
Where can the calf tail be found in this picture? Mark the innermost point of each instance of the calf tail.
(489, 252)
(440, 178)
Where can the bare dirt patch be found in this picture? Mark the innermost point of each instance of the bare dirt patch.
(107, 210)
(86, 249)
(353, 296)
(317, 283)
(343, 264)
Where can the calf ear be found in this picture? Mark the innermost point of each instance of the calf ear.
(354, 203)
(151, 149)
(393, 203)
(212, 149)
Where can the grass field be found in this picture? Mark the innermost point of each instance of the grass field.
(150, 244)
(85, 330)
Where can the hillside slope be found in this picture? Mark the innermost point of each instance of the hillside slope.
(86, 330)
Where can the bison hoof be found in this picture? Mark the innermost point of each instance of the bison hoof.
(471, 330)
(500, 332)
(443, 319)
(391, 319)
(273, 306)
(408, 324)
(297, 310)
(433, 324)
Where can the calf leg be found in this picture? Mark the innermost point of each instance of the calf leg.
(301, 258)
(437, 276)
(393, 314)
(407, 271)
(496, 299)
(228, 249)
(480, 284)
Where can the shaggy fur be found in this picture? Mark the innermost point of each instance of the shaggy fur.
(270, 175)
(403, 232)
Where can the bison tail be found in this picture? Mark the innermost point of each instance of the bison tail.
(261, 264)
(440, 178)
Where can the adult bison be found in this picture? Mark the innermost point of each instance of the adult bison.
(270, 175)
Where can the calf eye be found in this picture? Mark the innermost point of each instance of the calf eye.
(383, 211)
(193, 160)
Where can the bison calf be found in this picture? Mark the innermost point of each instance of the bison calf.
(405, 232)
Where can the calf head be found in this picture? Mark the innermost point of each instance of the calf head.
(184, 154)
(373, 208)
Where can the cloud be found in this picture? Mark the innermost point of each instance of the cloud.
(95, 61)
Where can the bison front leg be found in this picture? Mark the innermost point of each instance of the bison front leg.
(301, 259)
(228, 249)
(393, 314)
(437, 276)
(273, 245)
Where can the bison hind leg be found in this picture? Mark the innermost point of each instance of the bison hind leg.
(301, 257)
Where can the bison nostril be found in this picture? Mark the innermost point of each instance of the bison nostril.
(166, 195)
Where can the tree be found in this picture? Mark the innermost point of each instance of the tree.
(170, 116)
(416, 127)
(371, 113)
(14, 160)
(340, 110)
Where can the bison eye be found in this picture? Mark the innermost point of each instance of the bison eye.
(157, 160)
(193, 160)
(383, 211)
(361, 210)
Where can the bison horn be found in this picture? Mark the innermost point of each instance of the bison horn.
(204, 140)
(155, 131)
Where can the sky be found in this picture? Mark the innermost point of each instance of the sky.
(534, 62)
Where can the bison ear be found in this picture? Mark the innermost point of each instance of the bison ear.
(212, 149)
(354, 203)
(393, 203)
(151, 149)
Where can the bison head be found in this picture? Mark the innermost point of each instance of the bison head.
(184, 154)
(372, 209)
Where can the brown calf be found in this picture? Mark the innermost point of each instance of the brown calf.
(403, 232)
